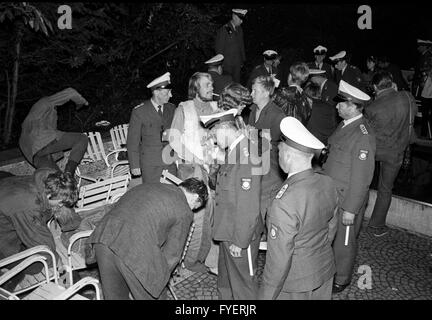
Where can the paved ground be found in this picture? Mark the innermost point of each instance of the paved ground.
(400, 265)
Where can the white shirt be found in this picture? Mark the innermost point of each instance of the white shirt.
(347, 122)
(156, 106)
(235, 142)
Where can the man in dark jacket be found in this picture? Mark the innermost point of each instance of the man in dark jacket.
(215, 69)
(320, 53)
(147, 134)
(237, 221)
(229, 42)
(140, 241)
(27, 203)
(391, 115)
(40, 139)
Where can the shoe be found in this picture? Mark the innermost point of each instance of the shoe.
(337, 288)
(379, 231)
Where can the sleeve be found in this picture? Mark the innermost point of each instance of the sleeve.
(283, 225)
(248, 204)
(333, 225)
(220, 41)
(362, 169)
(176, 239)
(134, 139)
(275, 127)
(32, 231)
(65, 95)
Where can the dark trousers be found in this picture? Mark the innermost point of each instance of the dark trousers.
(389, 166)
(152, 174)
(234, 281)
(234, 70)
(345, 255)
(117, 279)
(77, 142)
(426, 110)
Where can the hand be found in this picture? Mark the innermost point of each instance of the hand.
(136, 172)
(235, 251)
(348, 218)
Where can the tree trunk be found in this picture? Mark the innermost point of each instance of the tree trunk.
(10, 112)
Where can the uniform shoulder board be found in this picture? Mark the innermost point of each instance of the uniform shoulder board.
(363, 129)
(140, 105)
(281, 191)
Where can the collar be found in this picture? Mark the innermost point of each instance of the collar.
(299, 176)
(319, 65)
(235, 142)
(343, 70)
(385, 92)
(323, 84)
(232, 25)
(203, 107)
(347, 122)
(155, 105)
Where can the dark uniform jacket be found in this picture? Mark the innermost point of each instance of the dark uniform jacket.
(24, 213)
(293, 103)
(229, 42)
(325, 66)
(270, 118)
(220, 81)
(421, 72)
(301, 227)
(351, 163)
(352, 75)
(322, 122)
(237, 216)
(389, 116)
(147, 229)
(261, 70)
(329, 91)
(144, 140)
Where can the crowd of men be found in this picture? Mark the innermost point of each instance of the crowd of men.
(286, 162)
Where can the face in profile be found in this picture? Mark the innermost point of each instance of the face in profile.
(258, 93)
(205, 91)
(164, 95)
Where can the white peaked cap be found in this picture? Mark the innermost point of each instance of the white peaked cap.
(217, 59)
(215, 118)
(338, 56)
(161, 82)
(316, 71)
(351, 93)
(320, 48)
(241, 12)
(297, 136)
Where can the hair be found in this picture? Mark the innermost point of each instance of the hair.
(382, 59)
(233, 95)
(194, 185)
(299, 72)
(313, 90)
(382, 80)
(62, 186)
(194, 81)
(266, 82)
(226, 125)
(372, 59)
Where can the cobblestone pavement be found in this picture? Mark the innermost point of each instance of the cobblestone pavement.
(400, 264)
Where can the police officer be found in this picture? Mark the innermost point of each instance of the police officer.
(215, 69)
(351, 163)
(347, 72)
(268, 68)
(237, 220)
(229, 42)
(301, 223)
(147, 131)
(320, 53)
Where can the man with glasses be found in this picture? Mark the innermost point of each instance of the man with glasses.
(230, 43)
(147, 132)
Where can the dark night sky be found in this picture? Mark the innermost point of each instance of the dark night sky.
(395, 28)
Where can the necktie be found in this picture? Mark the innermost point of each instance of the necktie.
(160, 110)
